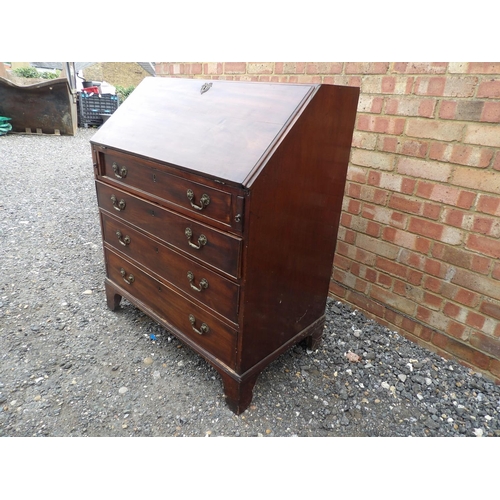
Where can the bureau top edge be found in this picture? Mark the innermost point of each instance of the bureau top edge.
(220, 129)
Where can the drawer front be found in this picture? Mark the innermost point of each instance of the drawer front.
(192, 321)
(195, 280)
(218, 249)
(146, 176)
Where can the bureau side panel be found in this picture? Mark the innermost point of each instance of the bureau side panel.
(294, 208)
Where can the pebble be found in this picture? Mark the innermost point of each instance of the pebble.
(54, 327)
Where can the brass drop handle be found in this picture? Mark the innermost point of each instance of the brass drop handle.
(120, 172)
(202, 239)
(204, 200)
(118, 205)
(203, 282)
(203, 328)
(125, 240)
(130, 279)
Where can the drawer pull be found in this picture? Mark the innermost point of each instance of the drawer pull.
(203, 328)
(130, 279)
(118, 205)
(120, 172)
(204, 200)
(203, 282)
(202, 239)
(125, 240)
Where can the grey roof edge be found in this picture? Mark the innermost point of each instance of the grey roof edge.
(149, 67)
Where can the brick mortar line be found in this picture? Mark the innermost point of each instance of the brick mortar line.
(430, 141)
(322, 76)
(438, 103)
(432, 241)
(475, 309)
(405, 333)
(462, 246)
(389, 72)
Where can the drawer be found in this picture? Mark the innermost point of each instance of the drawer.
(215, 248)
(132, 173)
(193, 322)
(197, 281)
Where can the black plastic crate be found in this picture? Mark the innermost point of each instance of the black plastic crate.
(92, 106)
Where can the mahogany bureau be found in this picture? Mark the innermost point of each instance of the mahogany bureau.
(219, 204)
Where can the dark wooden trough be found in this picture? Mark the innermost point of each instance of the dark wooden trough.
(42, 108)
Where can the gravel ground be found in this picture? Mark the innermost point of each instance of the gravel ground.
(70, 367)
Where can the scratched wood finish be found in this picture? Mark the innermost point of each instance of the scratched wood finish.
(221, 250)
(274, 158)
(296, 203)
(221, 133)
(221, 294)
(220, 340)
(142, 176)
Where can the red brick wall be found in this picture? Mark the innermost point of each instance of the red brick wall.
(419, 242)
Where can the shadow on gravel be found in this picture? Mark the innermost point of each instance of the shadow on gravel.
(71, 367)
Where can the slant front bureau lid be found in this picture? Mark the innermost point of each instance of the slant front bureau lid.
(218, 128)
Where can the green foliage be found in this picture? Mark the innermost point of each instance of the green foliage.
(124, 92)
(49, 75)
(30, 72)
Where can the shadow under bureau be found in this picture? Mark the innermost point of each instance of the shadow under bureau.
(219, 204)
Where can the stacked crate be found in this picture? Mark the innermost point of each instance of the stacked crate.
(92, 106)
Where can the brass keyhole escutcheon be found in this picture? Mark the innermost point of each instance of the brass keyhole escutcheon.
(205, 87)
